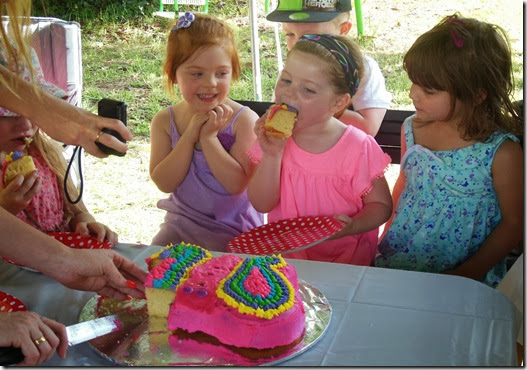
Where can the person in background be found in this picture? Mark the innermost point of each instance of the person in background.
(369, 104)
(198, 146)
(100, 271)
(459, 196)
(326, 168)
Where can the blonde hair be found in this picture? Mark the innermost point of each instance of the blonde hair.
(17, 32)
(205, 31)
(52, 151)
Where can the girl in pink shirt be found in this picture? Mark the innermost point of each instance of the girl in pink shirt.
(325, 168)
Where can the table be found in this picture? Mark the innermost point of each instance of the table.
(381, 317)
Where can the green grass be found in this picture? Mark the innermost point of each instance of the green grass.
(123, 60)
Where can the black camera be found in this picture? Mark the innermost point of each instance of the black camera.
(112, 109)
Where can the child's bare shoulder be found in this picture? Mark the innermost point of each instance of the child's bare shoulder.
(247, 116)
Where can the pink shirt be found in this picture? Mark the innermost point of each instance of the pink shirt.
(329, 184)
(46, 209)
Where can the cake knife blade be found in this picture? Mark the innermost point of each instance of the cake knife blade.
(77, 333)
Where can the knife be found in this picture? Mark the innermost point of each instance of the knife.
(77, 333)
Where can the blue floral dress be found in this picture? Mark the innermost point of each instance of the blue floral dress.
(446, 210)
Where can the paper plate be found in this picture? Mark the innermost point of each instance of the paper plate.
(77, 241)
(285, 235)
(72, 240)
(8, 303)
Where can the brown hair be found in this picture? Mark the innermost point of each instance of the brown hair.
(471, 60)
(205, 31)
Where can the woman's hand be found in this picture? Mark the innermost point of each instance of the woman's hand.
(59, 119)
(96, 228)
(17, 195)
(38, 337)
(99, 270)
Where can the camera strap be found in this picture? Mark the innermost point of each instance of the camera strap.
(76, 152)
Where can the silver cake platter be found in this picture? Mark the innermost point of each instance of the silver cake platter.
(145, 341)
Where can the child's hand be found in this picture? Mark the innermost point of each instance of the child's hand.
(270, 145)
(217, 119)
(194, 127)
(102, 231)
(348, 228)
(16, 196)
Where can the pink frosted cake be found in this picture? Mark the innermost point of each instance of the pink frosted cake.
(251, 303)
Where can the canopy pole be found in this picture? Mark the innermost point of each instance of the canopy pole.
(257, 78)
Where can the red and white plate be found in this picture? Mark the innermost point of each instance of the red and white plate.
(78, 241)
(8, 303)
(73, 240)
(285, 236)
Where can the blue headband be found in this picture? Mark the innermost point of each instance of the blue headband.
(343, 56)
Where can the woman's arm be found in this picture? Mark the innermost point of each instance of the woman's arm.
(103, 271)
(507, 175)
(59, 119)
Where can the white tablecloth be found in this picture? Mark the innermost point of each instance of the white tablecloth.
(380, 317)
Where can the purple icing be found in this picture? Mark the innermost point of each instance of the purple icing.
(187, 289)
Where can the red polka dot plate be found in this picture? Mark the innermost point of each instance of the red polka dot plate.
(78, 241)
(8, 303)
(285, 236)
(73, 240)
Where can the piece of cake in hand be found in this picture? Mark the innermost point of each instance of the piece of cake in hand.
(16, 163)
(280, 120)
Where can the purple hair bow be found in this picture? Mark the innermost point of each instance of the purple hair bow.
(185, 20)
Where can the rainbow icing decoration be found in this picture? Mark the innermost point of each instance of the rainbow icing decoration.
(177, 263)
(276, 107)
(13, 156)
(257, 287)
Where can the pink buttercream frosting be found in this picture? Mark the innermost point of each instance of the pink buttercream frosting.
(197, 306)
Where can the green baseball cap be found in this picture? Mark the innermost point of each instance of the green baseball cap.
(308, 10)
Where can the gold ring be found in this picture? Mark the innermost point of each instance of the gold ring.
(39, 340)
(99, 135)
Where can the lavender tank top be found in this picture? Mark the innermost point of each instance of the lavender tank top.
(201, 211)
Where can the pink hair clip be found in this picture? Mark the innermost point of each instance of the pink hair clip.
(456, 37)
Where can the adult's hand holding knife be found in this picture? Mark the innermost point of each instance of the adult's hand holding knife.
(73, 334)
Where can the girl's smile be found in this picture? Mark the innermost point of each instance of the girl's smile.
(204, 79)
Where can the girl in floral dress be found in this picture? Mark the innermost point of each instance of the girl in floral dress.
(459, 197)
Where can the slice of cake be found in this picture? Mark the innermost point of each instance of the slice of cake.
(280, 120)
(244, 303)
(16, 163)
